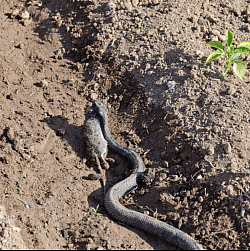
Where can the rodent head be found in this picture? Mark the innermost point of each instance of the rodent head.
(100, 108)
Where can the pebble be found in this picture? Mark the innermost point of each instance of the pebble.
(11, 134)
(44, 83)
(200, 199)
(20, 46)
(215, 32)
(95, 176)
(171, 85)
(142, 192)
(93, 96)
(248, 28)
(110, 6)
(65, 234)
(242, 212)
(24, 15)
(15, 13)
(227, 148)
(177, 199)
(194, 19)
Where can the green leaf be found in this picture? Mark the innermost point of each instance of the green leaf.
(235, 56)
(229, 36)
(242, 50)
(214, 55)
(244, 44)
(240, 69)
(216, 44)
(229, 50)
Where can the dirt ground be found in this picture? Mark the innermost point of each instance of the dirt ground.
(146, 58)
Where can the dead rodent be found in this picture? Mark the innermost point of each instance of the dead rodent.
(96, 143)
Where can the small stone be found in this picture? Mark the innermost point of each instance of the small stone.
(248, 28)
(210, 150)
(146, 212)
(135, 2)
(171, 85)
(200, 199)
(110, 6)
(27, 22)
(10, 96)
(44, 83)
(215, 32)
(177, 198)
(20, 46)
(95, 176)
(24, 15)
(227, 148)
(10, 134)
(194, 19)
(15, 13)
(70, 245)
(165, 164)
(242, 212)
(94, 96)
(200, 54)
(65, 234)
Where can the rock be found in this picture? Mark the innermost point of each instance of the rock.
(171, 85)
(15, 13)
(11, 134)
(65, 234)
(128, 5)
(110, 6)
(200, 199)
(215, 32)
(210, 150)
(231, 90)
(93, 96)
(135, 2)
(227, 148)
(248, 28)
(44, 83)
(24, 15)
(194, 19)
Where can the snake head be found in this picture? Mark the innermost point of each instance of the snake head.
(100, 108)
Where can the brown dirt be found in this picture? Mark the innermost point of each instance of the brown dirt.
(196, 134)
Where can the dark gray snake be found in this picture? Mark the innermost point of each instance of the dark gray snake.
(130, 217)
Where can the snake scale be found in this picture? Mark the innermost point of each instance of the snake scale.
(130, 217)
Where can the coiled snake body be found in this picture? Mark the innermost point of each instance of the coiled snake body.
(130, 217)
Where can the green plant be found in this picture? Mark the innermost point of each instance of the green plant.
(22, 176)
(95, 210)
(230, 54)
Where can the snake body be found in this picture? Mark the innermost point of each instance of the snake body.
(130, 217)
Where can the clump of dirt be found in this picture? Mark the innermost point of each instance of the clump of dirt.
(146, 58)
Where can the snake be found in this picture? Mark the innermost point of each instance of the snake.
(130, 217)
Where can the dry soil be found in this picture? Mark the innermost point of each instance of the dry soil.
(146, 58)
